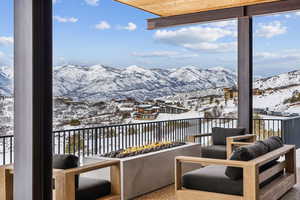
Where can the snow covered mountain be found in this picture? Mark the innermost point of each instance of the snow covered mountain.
(100, 82)
(279, 81)
(6, 87)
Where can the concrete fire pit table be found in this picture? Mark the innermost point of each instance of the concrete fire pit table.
(148, 172)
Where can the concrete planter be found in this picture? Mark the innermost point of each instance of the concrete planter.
(146, 173)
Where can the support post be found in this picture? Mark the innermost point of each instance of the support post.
(245, 72)
(33, 100)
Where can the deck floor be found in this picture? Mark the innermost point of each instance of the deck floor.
(168, 193)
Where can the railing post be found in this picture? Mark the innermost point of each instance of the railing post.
(159, 133)
(96, 142)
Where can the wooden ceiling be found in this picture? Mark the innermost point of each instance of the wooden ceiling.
(166, 8)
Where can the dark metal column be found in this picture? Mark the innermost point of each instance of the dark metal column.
(33, 100)
(245, 73)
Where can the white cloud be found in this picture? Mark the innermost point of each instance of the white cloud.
(271, 29)
(6, 40)
(66, 19)
(103, 25)
(198, 38)
(297, 13)
(92, 2)
(130, 27)
(288, 55)
(168, 54)
(228, 24)
(213, 46)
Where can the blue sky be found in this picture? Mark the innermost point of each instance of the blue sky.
(107, 32)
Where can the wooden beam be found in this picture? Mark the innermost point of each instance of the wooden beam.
(178, 7)
(224, 14)
(33, 100)
(245, 72)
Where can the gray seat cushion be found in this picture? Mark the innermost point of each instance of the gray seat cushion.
(219, 135)
(214, 151)
(92, 189)
(212, 179)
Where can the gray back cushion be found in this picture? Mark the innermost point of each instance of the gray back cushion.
(245, 153)
(249, 152)
(65, 161)
(219, 135)
(273, 143)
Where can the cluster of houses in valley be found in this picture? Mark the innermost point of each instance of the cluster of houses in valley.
(6, 115)
(148, 110)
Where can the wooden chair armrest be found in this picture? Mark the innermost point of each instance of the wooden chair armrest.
(248, 137)
(273, 155)
(241, 143)
(91, 167)
(192, 138)
(210, 161)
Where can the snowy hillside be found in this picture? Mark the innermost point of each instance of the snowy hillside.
(278, 81)
(103, 83)
(6, 81)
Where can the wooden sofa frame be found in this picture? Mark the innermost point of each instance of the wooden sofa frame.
(231, 142)
(251, 176)
(64, 181)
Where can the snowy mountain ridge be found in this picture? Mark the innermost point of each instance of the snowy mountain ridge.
(100, 83)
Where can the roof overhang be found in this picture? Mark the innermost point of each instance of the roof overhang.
(166, 8)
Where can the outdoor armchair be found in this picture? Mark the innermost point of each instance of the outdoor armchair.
(223, 141)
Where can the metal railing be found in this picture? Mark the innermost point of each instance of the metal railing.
(100, 140)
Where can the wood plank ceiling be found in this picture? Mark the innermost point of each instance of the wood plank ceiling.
(167, 8)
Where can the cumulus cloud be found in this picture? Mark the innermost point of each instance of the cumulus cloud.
(289, 55)
(213, 46)
(198, 38)
(271, 29)
(130, 27)
(92, 2)
(167, 54)
(66, 19)
(103, 25)
(297, 13)
(6, 40)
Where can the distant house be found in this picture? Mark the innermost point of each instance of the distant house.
(257, 91)
(146, 112)
(230, 93)
(173, 109)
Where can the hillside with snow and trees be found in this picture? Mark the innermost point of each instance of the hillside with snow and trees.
(97, 95)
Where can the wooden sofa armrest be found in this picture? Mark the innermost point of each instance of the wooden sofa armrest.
(65, 180)
(192, 138)
(239, 140)
(286, 150)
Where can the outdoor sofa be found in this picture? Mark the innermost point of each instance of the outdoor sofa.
(253, 172)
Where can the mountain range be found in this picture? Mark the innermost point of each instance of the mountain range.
(100, 83)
